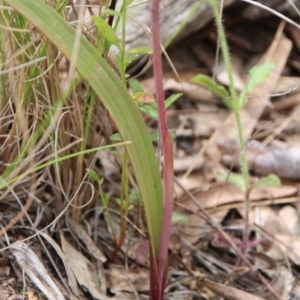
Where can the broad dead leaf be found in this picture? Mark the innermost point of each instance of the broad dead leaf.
(31, 265)
(121, 280)
(71, 278)
(83, 269)
(277, 158)
(228, 194)
(290, 244)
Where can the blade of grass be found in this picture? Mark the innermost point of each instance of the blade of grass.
(115, 97)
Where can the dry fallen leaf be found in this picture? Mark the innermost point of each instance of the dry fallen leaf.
(31, 265)
(277, 158)
(228, 292)
(201, 124)
(71, 278)
(181, 164)
(191, 90)
(83, 269)
(121, 280)
(230, 196)
(290, 218)
(290, 245)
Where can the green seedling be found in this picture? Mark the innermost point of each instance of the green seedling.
(257, 75)
(235, 103)
(146, 102)
(105, 199)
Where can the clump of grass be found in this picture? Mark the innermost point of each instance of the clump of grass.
(40, 119)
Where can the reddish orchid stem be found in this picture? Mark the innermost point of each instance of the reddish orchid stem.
(167, 150)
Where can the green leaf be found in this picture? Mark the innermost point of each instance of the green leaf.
(135, 86)
(105, 200)
(108, 87)
(271, 180)
(119, 202)
(116, 137)
(93, 175)
(112, 12)
(130, 207)
(257, 75)
(106, 31)
(149, 110)
(179, 218)
(130, 58)
(212, 86)
(140, 50)
(134, 197)
(236, 179)
(172, 99)
(128, 61)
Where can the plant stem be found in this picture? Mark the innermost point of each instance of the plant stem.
(124, 200)
(124, 204)
(168, 168)
(245, 172)
(225, 50)
(244, 164)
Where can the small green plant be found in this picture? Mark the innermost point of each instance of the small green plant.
(236, 103)
(105, 198)
(146, 102)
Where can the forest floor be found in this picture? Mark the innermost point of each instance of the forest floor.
(76, 256)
